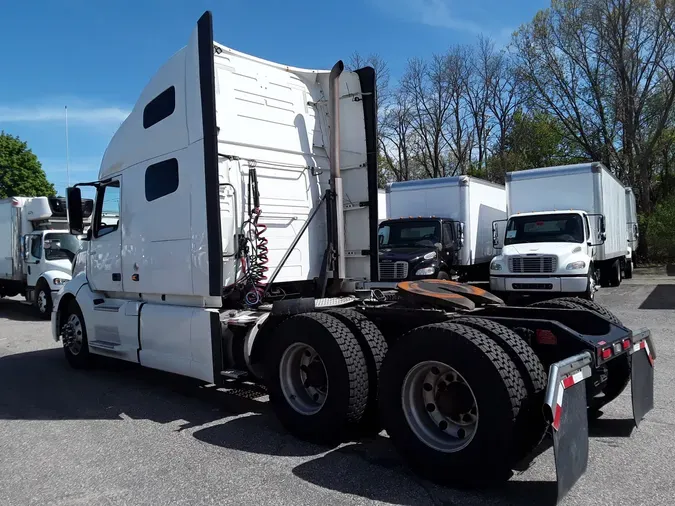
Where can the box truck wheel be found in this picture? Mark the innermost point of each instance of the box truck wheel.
(74, 337)
(374, 348)
(43, 299)
(449, 400)
(628, 271)
(317, 377)
(531, 425)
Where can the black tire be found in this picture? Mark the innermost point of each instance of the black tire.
(345, 367)
(44, 309)
(498, 390)
(374, 349)
(589, 294)
(593, 306)
(443, 275)
(561, 303)
(628, 271)
(615, 273)
(77, 358)
(531, 425)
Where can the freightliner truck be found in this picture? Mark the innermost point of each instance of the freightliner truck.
(245, 249)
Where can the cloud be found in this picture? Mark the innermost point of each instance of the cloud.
(79, 114)
(429, 12)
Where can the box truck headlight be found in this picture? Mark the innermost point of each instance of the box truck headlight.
(426, 271)
(494, 266)
(576, 265)
(59, 281)
(429, 256)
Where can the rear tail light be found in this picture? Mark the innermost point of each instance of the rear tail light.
(626, 344)
(606, 353)
(546, 337)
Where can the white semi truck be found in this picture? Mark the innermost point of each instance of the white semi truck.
(449, 217)
(244, 245)
(565, 234)
(36, 248)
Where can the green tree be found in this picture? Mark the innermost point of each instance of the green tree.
(21, 173)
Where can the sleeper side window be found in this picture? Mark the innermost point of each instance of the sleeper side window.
(107, 209)
(160, 107)
(161, 179)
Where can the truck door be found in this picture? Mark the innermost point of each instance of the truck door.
(33, 258)
(105, 249)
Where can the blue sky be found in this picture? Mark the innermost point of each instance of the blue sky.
(96, 57)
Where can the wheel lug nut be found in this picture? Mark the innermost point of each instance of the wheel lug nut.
(443, 425)
(315, 397)
(308, 353)
(461, 433)
(431, 407)
(428, 387)
(435, 371)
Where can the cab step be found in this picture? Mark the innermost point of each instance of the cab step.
(234, 374)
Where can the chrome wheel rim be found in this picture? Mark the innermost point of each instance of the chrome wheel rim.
(42, 301)
(303, 378)
(439, 406)
(72, 334)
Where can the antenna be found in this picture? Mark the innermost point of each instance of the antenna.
(67, 155)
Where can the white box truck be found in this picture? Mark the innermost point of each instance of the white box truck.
(230, 169)
(632, 231)
(565, 234)
(36, 248)
(382, 198)
(440, 228)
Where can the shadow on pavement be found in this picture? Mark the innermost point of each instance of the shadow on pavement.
(662, 297)
(390, 481)
(17, 310)
(611, 427)
(40, 385)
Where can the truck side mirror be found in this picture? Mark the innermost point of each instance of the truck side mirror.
(75, 220)
(602, 224)
(603, 237)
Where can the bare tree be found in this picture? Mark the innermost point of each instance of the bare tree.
(458, 133)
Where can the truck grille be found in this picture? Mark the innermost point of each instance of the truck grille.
(537, 264)
(393, 270)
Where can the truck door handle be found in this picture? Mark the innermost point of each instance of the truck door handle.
(116, 276)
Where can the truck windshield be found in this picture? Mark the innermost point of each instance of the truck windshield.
(544, 228)
(394, 234)
(61, 246)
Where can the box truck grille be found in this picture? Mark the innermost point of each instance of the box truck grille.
(393, 270)
(533, 264)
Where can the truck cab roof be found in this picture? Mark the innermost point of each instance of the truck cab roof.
(416, 218)
(557, 211)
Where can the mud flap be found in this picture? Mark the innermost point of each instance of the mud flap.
(642, 375)
(567, 409)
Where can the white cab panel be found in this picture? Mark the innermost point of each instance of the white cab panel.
(177, 339)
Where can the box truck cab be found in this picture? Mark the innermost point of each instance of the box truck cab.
(565, 233)
(37, 252)
(469, 206)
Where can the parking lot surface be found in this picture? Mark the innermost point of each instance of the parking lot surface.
(124, 435)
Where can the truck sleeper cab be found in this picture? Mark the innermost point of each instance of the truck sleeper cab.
(238, 240)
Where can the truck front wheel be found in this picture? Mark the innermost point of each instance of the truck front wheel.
(43, 300)
(449, 399)
(74, 337)
(317, 377)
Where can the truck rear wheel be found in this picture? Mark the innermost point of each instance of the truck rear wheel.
(593, 306)
(628, 271)
(74, 337)
(449, 399)
(317, 377)
(531, 425)
(374, 348)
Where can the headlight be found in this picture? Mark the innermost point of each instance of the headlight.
(495, 267)
(429, 256)
(426, 271)
(576, 265)
(59, 281)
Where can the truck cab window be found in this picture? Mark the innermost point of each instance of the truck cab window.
(107, 209)
(36, 247)
(448, 236)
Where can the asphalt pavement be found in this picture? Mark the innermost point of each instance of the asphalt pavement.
(124, 435)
